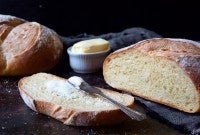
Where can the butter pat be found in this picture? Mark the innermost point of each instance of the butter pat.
(90, 46)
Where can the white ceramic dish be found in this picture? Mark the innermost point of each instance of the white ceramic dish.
(86, 62)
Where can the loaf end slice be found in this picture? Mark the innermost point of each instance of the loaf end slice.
(166, 71)
(53, 96)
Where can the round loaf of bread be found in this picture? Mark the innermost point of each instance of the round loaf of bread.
(163, 70)
(27, 47)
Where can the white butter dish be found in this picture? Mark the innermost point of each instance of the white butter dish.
(86, 62)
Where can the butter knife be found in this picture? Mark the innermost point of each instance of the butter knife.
(79, 83)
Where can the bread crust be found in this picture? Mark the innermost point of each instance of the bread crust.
(185, 53)
(11, 20)
(74, 117)
(28, 47)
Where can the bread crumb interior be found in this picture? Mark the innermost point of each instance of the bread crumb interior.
(157, 78)
(51, 89)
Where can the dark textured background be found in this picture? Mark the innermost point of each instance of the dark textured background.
(170, 18)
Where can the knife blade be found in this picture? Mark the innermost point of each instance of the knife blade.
(80, 84)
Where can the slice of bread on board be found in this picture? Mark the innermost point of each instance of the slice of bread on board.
(54, 96)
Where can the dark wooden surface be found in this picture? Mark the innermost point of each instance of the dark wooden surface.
(17, 118)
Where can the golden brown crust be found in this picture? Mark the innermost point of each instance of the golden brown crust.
(4, 30)
(72, 116)
(27, 47)
(185, 53)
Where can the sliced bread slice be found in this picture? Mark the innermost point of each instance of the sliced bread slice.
(54, 96)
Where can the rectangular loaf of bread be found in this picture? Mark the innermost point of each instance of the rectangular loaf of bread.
(163, 70)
